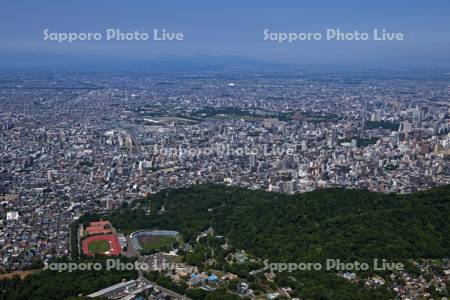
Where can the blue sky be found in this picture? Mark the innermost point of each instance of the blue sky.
(232, 28)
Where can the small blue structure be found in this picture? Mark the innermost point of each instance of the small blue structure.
(213, 278)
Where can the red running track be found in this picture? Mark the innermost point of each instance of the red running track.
(114, 245)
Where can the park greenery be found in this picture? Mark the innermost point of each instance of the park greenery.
(329, 223)
(54, 285)
(311, 227)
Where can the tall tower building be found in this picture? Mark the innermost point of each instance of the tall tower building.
(253, 161)
(417, 117)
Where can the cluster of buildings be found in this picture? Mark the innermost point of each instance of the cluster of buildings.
(138, 289)
(211, 280)
(429, 279)
(92, 142)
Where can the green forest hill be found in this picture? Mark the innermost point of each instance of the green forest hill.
(345, 224)
(329, 223)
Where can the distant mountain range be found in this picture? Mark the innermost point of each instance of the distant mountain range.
(177, 63)
(162, 63)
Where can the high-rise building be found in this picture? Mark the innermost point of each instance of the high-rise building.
(417, 117)
(253, 161)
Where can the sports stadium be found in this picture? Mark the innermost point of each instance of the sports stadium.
(101, 244)
(153, 239)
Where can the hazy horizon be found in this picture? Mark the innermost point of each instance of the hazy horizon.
(227, 29)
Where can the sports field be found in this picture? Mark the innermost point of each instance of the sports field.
(156, 242)
(98, 246)
(102, 244)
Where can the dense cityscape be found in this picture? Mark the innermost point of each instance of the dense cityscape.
(74, 143)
